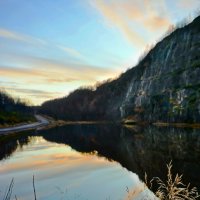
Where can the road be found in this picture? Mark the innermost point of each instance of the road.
(41, 122)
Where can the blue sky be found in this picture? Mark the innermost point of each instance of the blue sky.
(49, 48)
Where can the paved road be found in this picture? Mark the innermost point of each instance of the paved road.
(41, 122)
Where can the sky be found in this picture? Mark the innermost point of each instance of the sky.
(49, 48)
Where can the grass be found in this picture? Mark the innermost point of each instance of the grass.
(173, 188)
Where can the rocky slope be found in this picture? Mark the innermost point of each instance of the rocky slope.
(164, 86)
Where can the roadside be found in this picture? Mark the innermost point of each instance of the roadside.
(41, 121)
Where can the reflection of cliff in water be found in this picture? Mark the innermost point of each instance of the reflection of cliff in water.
(8, 145)
(142, 150)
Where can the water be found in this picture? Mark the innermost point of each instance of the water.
(95, 161)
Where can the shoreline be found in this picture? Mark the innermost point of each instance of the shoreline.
(178, 125)
(57, 123)
(54, 123)
(46, 122)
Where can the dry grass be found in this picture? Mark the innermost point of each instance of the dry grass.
(173, 188)
(8, 193)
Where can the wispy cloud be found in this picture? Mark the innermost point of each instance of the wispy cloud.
(111, 13)
(31, 92)
(48, 70)
(191, 4)
(72, 52)
(57, 78)
(8, 34)
(130, 17)
(156, 23)
(24, 38)
(35, 75)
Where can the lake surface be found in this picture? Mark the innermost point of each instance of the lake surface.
(95, 161)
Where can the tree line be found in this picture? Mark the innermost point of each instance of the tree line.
(14, 110)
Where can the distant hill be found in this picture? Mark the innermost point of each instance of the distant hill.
(164, 86)
(14, 111)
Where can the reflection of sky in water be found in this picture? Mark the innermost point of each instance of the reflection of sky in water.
(63, 173)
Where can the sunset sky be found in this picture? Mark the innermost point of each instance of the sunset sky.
(49, 48)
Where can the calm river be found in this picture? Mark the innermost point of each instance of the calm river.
(95, 162)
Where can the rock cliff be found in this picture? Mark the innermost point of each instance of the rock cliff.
(168, 89)
(164, 86)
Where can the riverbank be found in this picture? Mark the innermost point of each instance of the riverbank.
(46, 122)
(178, 125)
(41, 122)
(128, 123)
(57, 123)
(133, 122)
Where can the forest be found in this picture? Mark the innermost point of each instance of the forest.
(14, 110)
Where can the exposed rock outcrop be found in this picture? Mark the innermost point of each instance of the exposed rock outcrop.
(164, 86)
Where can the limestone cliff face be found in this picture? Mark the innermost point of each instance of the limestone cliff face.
(168, 87)
(164, 86)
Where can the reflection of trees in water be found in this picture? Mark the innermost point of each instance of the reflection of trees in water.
(139, 150)
(9, 144)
